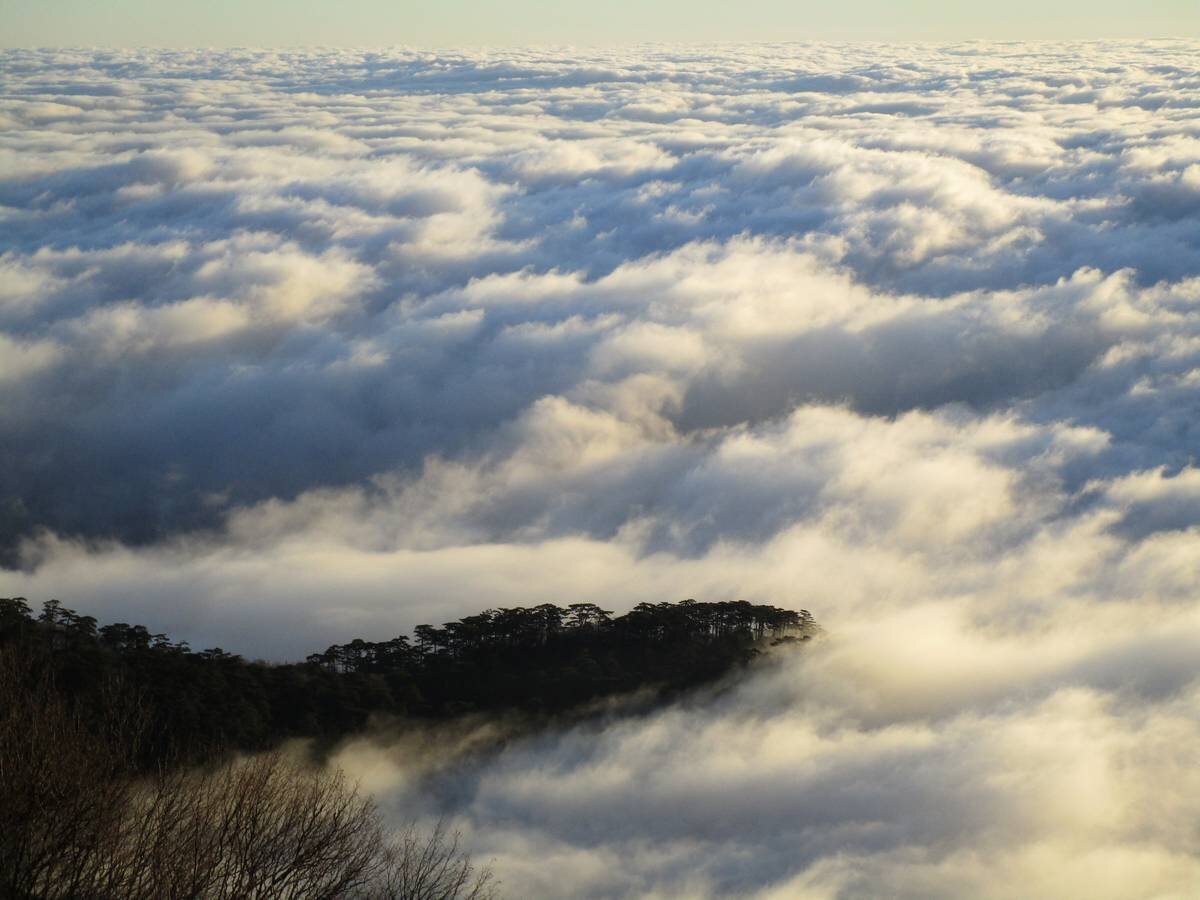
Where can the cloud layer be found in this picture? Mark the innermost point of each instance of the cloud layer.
(296, 347)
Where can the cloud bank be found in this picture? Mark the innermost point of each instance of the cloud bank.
(297, 347)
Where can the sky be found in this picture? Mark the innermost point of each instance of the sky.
(451, 23)
(302, 346)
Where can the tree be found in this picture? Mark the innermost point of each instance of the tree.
(430, 866)
(77, 820)
(61, 791)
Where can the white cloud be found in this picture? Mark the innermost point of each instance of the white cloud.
(910, 338)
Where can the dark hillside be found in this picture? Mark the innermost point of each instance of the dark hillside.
(541, 660)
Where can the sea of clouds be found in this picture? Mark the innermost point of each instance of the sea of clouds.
(302, 346)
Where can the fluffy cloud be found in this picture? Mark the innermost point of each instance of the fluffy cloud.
(296, 347)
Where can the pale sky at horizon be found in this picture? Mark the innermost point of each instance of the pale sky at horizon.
(224, 23)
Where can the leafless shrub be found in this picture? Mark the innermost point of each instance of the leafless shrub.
(258, 827)
(62, 794)
(77, 821)
(430, 866)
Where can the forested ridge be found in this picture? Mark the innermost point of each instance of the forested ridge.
(119, 777)
(541, 660)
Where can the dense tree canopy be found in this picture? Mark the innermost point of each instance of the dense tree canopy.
(540, 660)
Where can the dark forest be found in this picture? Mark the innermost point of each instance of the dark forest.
(539, 661)
(132, 766)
